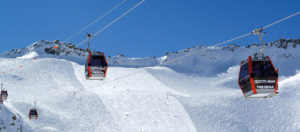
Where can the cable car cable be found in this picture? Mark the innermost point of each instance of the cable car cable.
(112, 22)
(108, 25)
(274, 23)
(96, 20)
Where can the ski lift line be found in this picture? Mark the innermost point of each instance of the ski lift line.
(112, 22)
(214, 46)
(124, 14)
(200, 50)
(96, 20)
(144, 69)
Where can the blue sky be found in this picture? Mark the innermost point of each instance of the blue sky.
(154, 28)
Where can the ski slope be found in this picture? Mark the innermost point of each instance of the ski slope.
(150, 99)
(217, 103)
(67, 102)
(197, 93)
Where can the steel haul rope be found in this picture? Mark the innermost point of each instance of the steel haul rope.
(112, 22)
(96, 20)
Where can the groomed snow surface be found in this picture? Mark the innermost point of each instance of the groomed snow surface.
(150, 99)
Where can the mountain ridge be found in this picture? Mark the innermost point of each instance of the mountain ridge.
(278, 50)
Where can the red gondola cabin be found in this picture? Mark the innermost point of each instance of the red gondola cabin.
(258, 78)
(4, 94)
(33, 114)
(96, 66)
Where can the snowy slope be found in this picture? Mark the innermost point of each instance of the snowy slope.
(52, 87)
(10, 121)
(153, 99)
(67, 102)
(198, 93)
(217, 103)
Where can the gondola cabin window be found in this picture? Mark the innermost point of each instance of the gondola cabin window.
(263, 69)
(244, 71)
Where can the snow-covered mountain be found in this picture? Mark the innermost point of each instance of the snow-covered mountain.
(203, 61)
(197, 93)
(47, 49)
(212, 61)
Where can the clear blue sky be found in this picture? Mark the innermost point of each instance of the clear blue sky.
(154, 28)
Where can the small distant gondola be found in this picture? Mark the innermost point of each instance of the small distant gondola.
(3, 94)
(96, 64)
(33, 114)
(258, 77)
